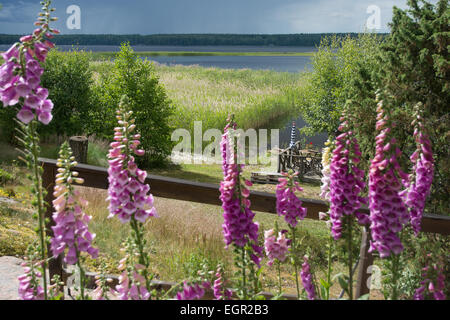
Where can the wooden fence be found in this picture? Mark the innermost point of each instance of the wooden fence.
(172, 188)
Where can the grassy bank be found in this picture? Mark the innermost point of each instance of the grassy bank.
(258, 98)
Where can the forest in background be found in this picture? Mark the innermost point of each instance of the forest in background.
(300, 40)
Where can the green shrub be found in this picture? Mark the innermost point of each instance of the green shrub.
(416, 62)
(135, 78)
(5, 177)
(335, 65)
(7, 124)
(68, 78)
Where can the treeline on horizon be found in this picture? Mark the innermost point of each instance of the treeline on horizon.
(301, 39)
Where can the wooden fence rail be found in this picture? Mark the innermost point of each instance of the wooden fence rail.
(165, 187)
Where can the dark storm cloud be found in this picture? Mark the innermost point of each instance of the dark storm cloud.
(202, 16)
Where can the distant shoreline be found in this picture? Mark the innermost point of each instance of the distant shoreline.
(110, 54)
(266, 40)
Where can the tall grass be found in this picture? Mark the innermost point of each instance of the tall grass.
(187, 234)
(258, 98)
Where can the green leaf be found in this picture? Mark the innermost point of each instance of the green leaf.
(325, 284)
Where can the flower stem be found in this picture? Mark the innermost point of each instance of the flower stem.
(244, 280)
(82, 277)
(40, 201)
(330, 255)
(142, 254)
(279, 277)
(350, 257)
(293, 252)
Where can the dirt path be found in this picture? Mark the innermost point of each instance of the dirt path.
(10, 269)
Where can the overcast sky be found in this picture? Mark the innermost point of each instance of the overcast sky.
(202, 16)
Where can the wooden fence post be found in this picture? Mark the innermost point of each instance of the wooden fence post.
(365, 261)
(79, 146)
(48, 182)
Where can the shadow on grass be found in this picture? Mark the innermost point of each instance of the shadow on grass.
(197, 173)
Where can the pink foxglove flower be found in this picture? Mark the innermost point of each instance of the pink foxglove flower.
(194, 291)
(130, 201)
(388, 213)
(220, 291)
(71, 223)
(307, 279)
(288, 204)
(325, 180)
(132, 286)
(128, 194)
(276, 248)
(346, 179)
(433, 283)
(238, 227)
(29, 283)
(421, 178)
(20, 76)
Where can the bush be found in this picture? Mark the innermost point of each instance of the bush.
(135, 78)
(7, 124)
(5, 177)
(335, 66)
(68, 78)
(415, 61)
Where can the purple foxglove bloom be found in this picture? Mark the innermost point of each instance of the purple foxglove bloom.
(12, 52)
(433, 284)
(306, 277)
(25, 115)
(29, 288)
(191, 292)
(419, 182)
(276, 248)
(71, 227)
(71, 223)
(22, 80)
(220, 292)
(388, 213)
(288, 204)
(133, 289)
(346, 180)
(127, 193)
(238, 227)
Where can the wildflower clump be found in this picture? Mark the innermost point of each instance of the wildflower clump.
(131, 202)
(346, 179)
(20, 74)
(239, 229)
(220, 291)
(276, 247)
(288, 204)
(388, 213)
(307, 279)
(71, 222)
(421, 177)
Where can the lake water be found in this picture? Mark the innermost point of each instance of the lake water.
(283, 64)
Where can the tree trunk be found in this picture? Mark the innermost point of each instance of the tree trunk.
(79, 146)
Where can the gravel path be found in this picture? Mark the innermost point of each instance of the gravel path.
(10, 269)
